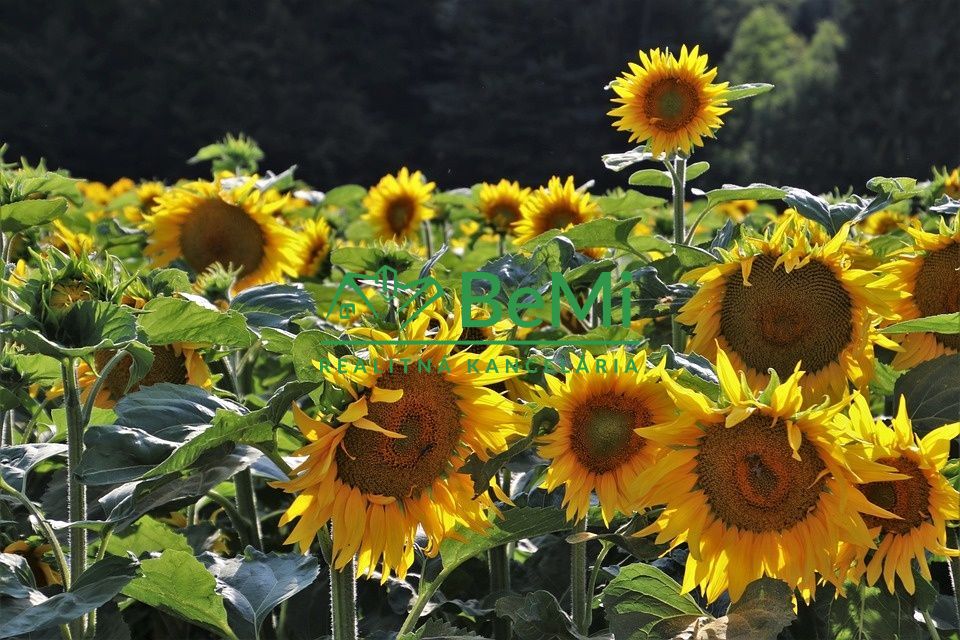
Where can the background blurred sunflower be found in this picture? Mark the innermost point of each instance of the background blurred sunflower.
(595, 446)
(390, 461)
(559, 205)
(670, 102)
(398, 204)
(930, 275)
(922, 500)
(758, 487)
(316, 247)
(205, 223)
(785, 299)
(502, 203)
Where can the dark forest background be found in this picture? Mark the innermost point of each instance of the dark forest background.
(471, 90)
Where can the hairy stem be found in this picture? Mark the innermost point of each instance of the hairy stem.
(678, 174)
(498, 560)
(343, 597)
(579, 600)
(594, 574)
(247, 506)
(76, 491)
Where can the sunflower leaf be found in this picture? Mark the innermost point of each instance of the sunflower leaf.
(169, 320)
(620, 161)
(18, 216)
(538, 616)
(644, 603)
(748, 90)
(754, 191)
(948, 323)
(650, 178)
(932, 393)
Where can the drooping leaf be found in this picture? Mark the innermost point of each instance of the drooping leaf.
(178, 584)
(168, 410)
(762, 612)
(169, 320)
(114, 454)
(17, 460)
(538, 616)
(255, 583)
(871, 613)
(643, 603)
(89, 326)
(833, 216)
(435, 629)
(16, 576)
(95, 586)
(932, 393)
(273, 305)
(17, 216)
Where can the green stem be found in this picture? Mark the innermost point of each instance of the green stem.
(428, 238)
(105, 535)
(594, 574)
(76, 491)
(343, 598)
(931, 627)
(696, 223)
(678, 174)
(239, 523)
(424, 593)
(45, 529)
(953, 567)
(579, 602)
(498, 560)
(247, 506)
(102, 376)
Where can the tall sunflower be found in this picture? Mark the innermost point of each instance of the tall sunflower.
(670, 102)
(398, 204)
(559, 205)
(785, 299)
(390, 462)
(502, 203)
(758, 487)
(923, 500)
(929, 274)
(204, 223)
(595, 446)
(316, 246)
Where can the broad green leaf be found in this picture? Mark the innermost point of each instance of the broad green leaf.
(696, 170)
(273, 305)
(147, 535)
(748, 90)
(946, 323)
(16, 576)
(254, 427)
(605, 232)
(310, 346)
(18, 216)
(538, 616)
(169, 320)
(178, 584)
(932, 393)
(762, 612)
(755, 191)
(95, 586)
(114, 454)
(650, 178)
(255, 583)
(170, 410)
(643, 603)
(897, 188)
(833, 216)
(434, 629)
(277, 340)
(344, 195)
(628, 204)
(17, 460)
(871, 613)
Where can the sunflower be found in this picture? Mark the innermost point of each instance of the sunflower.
(923, 500)
(559, 205)
(77, 243)
(737, 210)
(671, 103)
(758, 487)
(178, 363)
(951, 183)
(398, 204)
(502, 203)
(786, 298)
(605, 402)
(316, 246)
(203, 223)
(43, 574)
(95, 192)
(883, 222)
(929, 275)
(147, 193)
(390, 462)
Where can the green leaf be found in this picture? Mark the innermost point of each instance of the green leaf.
(754, 191)
(178, 584)
(871, 613)
(114, 454)
(932, 393)
(170, 410)
(273, 305)
(95, 586)
(147, 535)
(88, 327)
(230, 427)
(18, 216)
(538, 616)
(307, 347)
(748, 90)
(169, 320)
(620, 161)
(628, 204)
(643, 603)
(651, 178)
(946, 323)
(277, 340)
(345, 195)
(696, 170)
(16, 576)
(255, 583)
(764, 610)
(897, 188)
(434, 629)
(17, 460)
(605, 232)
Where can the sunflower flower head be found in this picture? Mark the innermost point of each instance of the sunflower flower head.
(398, 204)
(501, 204)
(205, 222)
(788, 298)
(758, 487)
(668, 102)
(390, 461)
(559, 205)
(921, 501)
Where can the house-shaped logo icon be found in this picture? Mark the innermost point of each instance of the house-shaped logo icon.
(407, 299)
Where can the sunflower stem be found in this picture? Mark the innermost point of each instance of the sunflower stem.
(76, 491)
(45, 529)
(233, 514)
(247, 507)
(428, 238)
(678, 175)
(579, 599)
(931, 626)
(498, 560)
(343, 598)
(953, 566)
(594, 574)
(102, 376)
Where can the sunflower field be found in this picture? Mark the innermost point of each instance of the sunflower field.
(242, 407)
